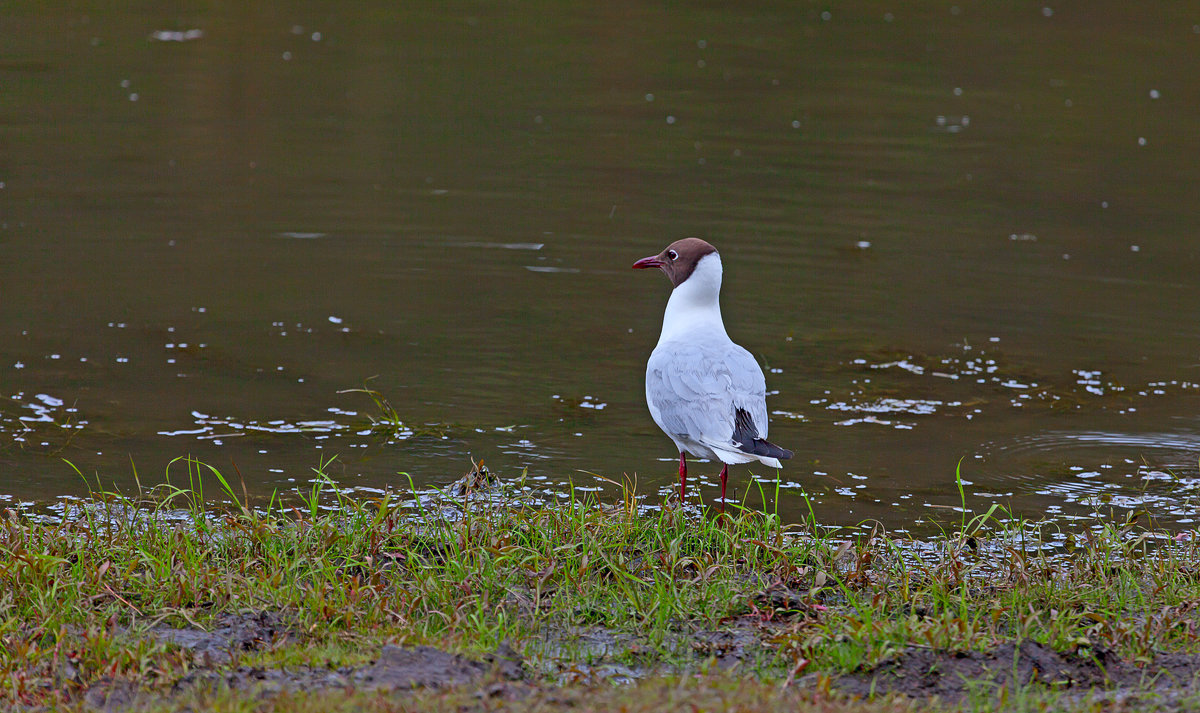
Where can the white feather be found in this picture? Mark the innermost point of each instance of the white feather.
(697, 378)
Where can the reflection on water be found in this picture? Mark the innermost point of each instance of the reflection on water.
(948, 234)
(1184, 445)
(1152, 473)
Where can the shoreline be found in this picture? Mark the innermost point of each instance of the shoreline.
(487, 602)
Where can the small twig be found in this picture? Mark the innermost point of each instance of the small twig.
(121, 599)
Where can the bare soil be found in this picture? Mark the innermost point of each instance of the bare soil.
(918, 673)
(951, 676)
(396, 668)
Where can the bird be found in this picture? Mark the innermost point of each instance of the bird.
(706, 393)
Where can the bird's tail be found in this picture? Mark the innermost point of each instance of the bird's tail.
(763, 447)
(747, 440)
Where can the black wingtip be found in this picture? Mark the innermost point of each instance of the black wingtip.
(745, 437)
(766, 448)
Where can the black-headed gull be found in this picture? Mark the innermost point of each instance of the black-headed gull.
(705, 392)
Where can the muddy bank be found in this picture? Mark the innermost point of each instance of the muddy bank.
(153, 616)
(952, 676)
(212, 652)
(398, 668)
(567, 658)
(918, 673)
(231, 635)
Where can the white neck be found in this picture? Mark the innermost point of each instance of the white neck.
(695, 304)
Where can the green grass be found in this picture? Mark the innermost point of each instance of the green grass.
(657, 585)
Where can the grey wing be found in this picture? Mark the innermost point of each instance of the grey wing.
(695, 390)
(750, 388)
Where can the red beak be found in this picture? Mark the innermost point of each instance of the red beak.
(647, 262)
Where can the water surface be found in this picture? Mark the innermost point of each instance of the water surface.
(950, 232)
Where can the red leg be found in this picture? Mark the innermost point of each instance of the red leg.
(682, 476)
(724, 479)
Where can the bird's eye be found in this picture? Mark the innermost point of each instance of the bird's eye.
(671, 254)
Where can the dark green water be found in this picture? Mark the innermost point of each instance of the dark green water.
(949, 231)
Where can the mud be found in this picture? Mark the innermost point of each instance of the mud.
(596, 653)
(591, 655)
(952, 676)
(232, 635)
(398, 668)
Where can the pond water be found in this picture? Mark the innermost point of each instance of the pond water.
(950, 231)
